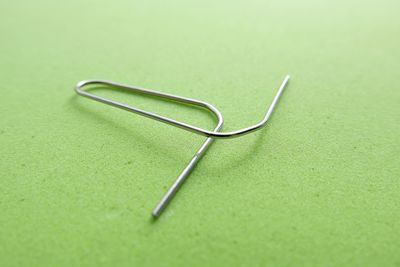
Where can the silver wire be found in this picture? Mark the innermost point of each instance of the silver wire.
(209, 134)
(182, 125)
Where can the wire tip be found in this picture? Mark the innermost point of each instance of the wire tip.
(155, 214)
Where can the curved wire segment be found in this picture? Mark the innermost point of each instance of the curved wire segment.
(182, 125)
(209, 134)
(200, 152)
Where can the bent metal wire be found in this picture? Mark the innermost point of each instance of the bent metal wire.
(209, 134)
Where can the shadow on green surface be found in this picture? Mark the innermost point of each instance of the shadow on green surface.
(125, 95)
(120, 129)
(244, 158)
(252, 147)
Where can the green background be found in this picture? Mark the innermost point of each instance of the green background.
(319, 186)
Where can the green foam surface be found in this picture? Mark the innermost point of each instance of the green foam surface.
(319, 186)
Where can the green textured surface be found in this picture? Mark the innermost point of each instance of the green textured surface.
(319, 186)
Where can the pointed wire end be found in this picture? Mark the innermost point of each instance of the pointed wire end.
(287, 78)
(154, 215)
(284, 83)
(157, 212)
